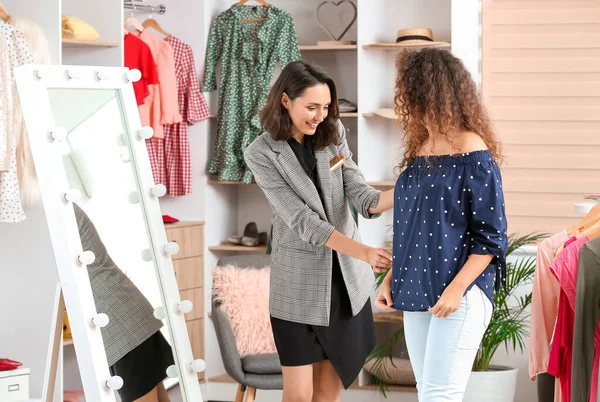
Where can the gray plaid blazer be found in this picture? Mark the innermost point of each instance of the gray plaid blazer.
(301, 264)
(131, 319)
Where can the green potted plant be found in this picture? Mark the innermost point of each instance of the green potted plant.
(509, 326)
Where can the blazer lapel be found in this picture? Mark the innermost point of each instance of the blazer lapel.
(323, 156)
(299, 180)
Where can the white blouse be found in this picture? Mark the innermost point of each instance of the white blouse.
(14, 52)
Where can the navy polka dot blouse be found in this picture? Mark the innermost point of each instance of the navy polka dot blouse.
(446, 208)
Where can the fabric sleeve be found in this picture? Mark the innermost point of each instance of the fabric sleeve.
(169, 105)
(361, 195)
(487, 224)
(196, 108)
(587, 313)
(213, 54)
(287, 43)
(147, 64)
(544, 310)
(305, 222)
(18, 54)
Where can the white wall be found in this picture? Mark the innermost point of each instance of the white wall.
(28, 278)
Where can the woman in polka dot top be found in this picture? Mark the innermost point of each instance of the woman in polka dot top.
(449, 224)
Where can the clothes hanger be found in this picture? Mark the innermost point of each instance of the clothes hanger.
(590, 219)
(152, 23)
(3, 14)
(584, 226)
(262, 2)
(594, 232)
(591, 231)
(133, 22)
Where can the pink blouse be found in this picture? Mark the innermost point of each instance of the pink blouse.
(161, 105)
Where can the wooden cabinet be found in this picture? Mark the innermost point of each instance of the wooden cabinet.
(189, 271)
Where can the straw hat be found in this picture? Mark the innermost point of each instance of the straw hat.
(414, 36)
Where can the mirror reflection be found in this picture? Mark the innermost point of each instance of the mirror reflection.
(97, 159)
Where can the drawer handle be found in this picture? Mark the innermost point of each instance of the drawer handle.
(13, 388)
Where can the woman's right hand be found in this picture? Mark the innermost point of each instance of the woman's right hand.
(379, 258)
(384, 299)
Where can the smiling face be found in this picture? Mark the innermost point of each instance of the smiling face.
(308, 110)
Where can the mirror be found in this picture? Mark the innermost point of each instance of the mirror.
(97, 158)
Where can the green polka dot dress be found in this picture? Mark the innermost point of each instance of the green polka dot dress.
(248, 52)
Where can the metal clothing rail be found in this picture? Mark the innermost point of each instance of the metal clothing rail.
(139, 5)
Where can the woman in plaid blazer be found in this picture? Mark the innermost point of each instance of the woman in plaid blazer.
(321, 273)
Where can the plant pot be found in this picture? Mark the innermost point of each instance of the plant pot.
(499, 384)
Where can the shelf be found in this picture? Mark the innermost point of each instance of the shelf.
(382, 183)
(351, 114)
(391, 116)
(67, 342)
(243, 249)
(229, 183)
(182, 224)
(327, 48)
(396, 316)
(396, 47)
(88, 43)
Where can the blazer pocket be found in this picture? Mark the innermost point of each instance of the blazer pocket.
(298, 246)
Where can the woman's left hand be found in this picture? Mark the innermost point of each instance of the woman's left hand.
(449, 302)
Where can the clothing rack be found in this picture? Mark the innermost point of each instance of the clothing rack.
(140, 6)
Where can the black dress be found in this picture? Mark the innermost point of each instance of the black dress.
(348, 340)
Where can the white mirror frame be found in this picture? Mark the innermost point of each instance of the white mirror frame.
(33, 82)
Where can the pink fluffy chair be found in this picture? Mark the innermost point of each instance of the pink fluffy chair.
(252, 371)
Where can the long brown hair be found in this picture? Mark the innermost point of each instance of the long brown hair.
(294, 79)
(434, 88)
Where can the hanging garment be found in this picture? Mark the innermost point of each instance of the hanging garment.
(586, 351)
(170, 158)
(138, 56)
(565, 269)
(544, 304)
(40, 51)
(15, 53)
(248, 53)
(160, 107)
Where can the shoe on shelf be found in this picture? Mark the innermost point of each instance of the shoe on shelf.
(263, 238)
(235, 240)
(250, 236)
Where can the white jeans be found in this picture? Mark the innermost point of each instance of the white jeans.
(442, 350)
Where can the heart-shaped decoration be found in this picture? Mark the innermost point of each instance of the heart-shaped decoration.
(336, 4)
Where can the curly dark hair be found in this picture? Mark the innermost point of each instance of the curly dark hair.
(434, 91)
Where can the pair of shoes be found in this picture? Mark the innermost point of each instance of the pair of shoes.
(250, 238)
